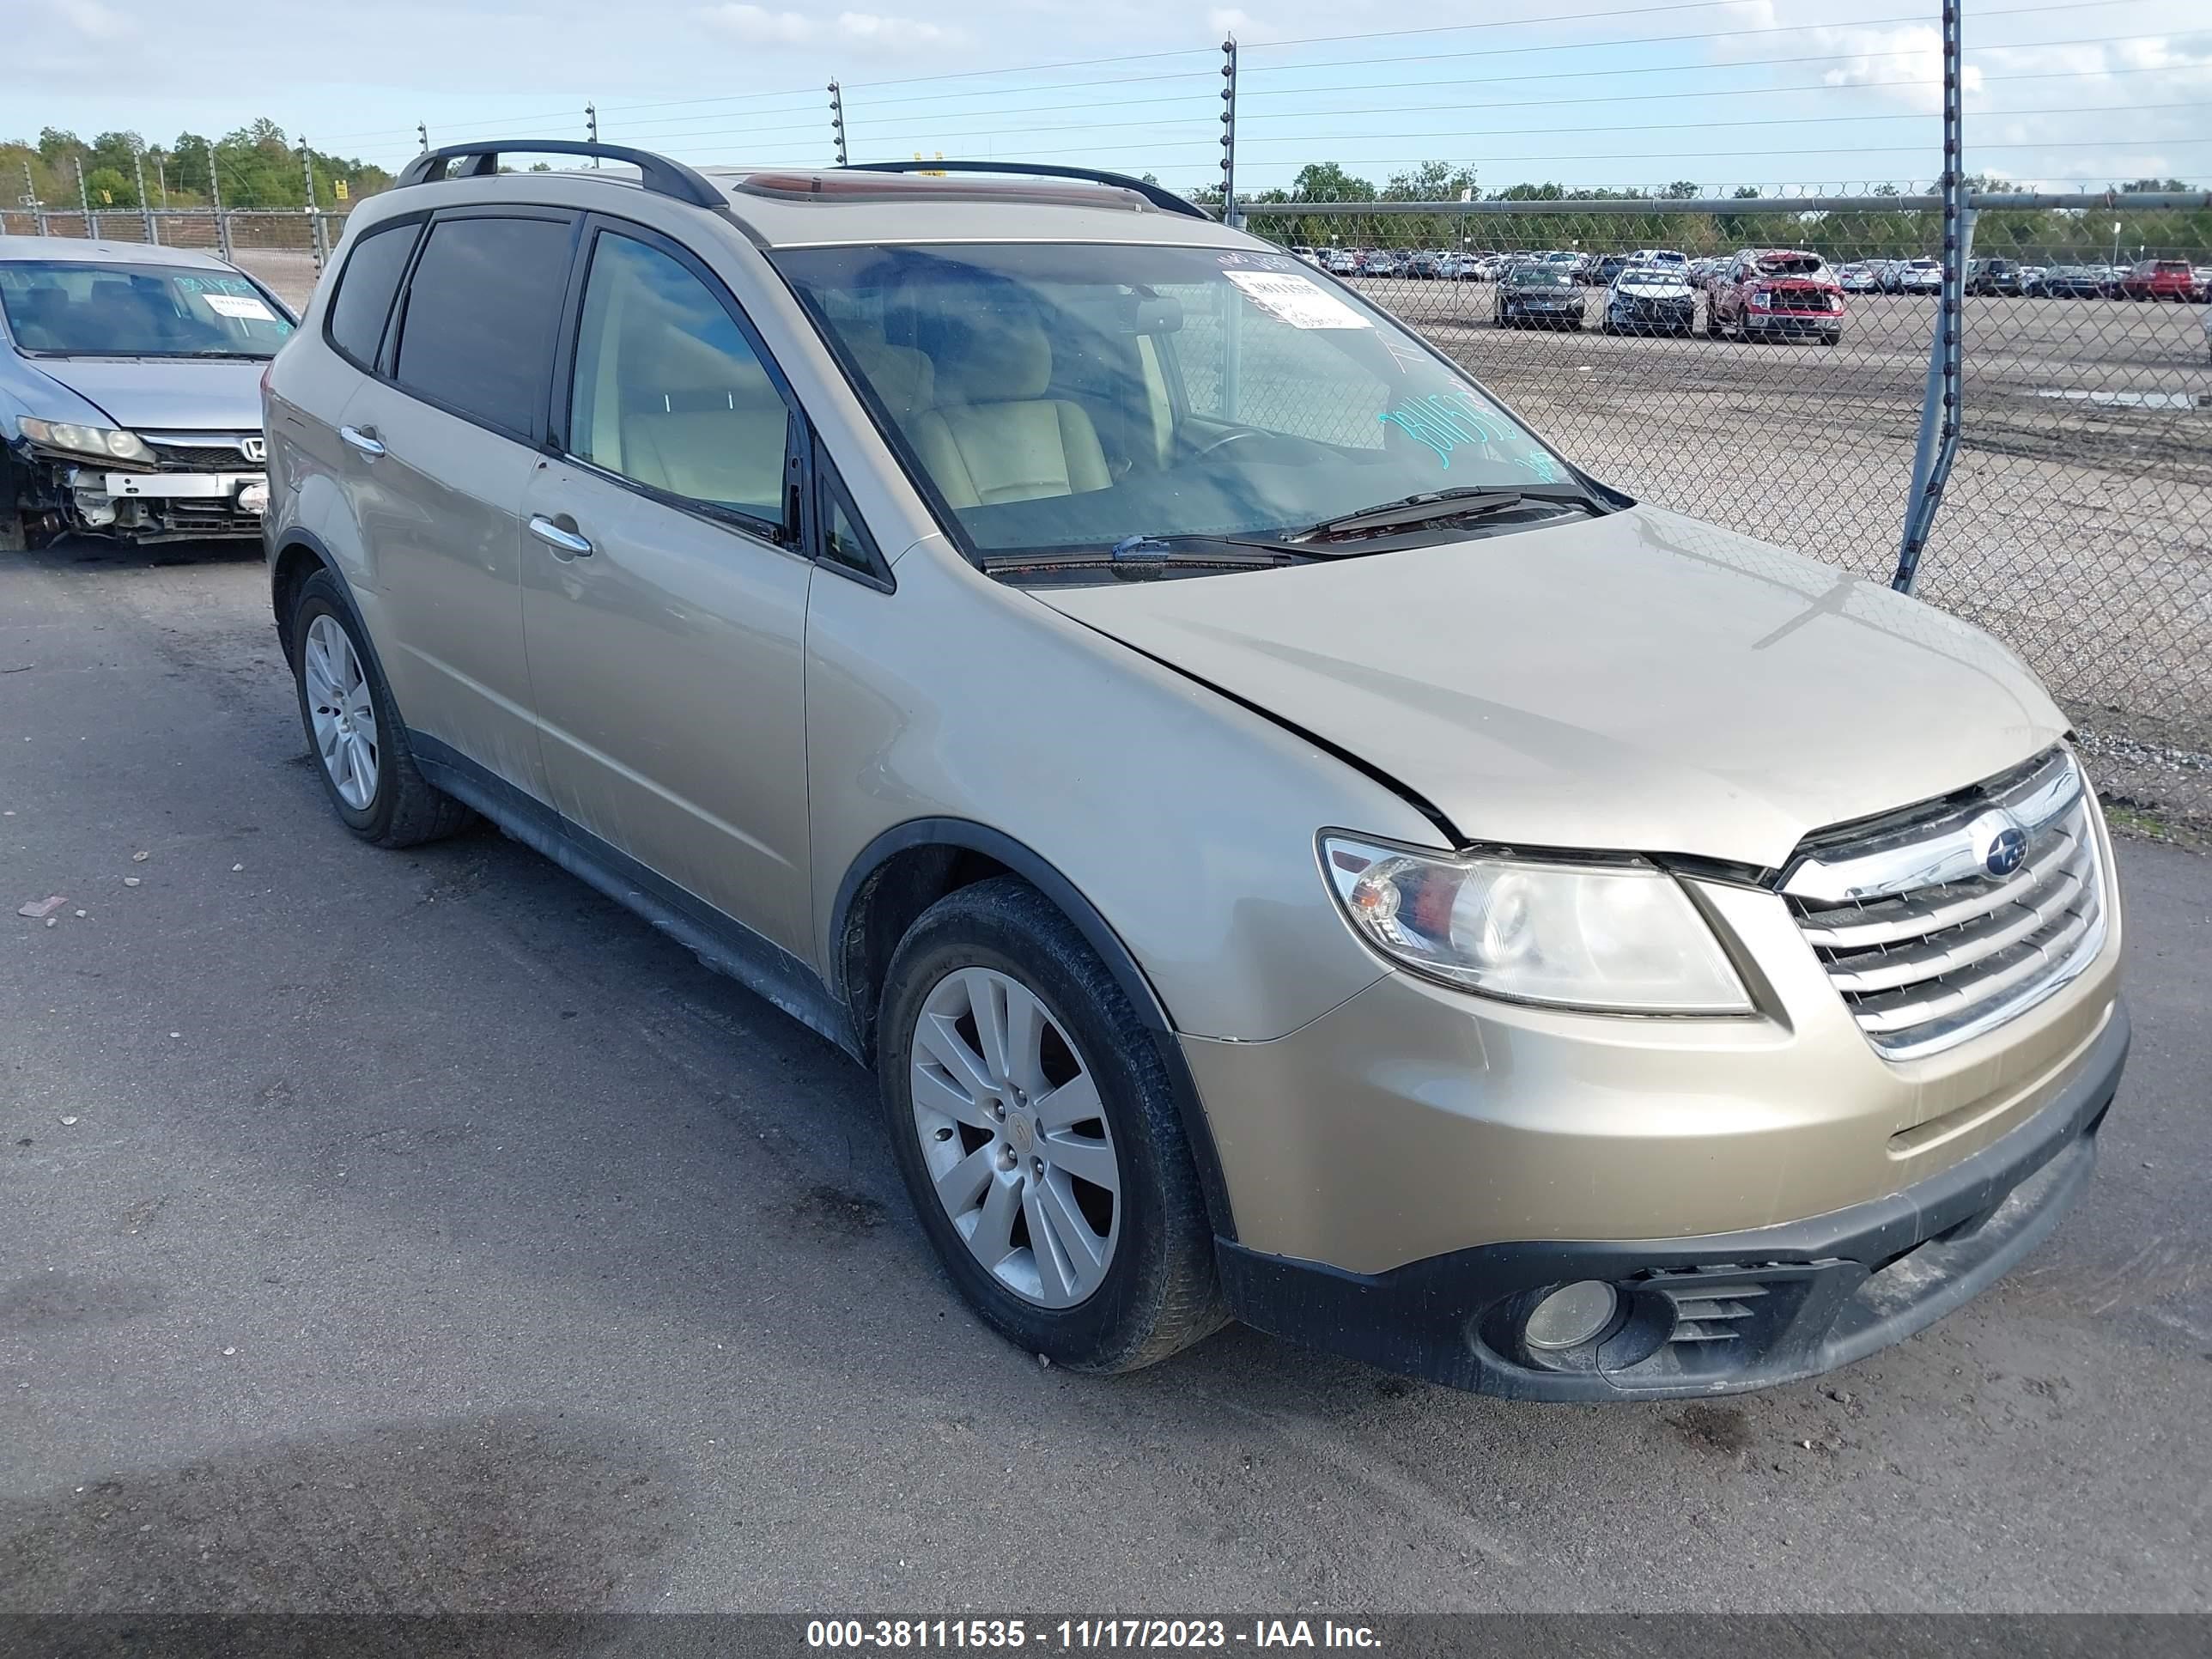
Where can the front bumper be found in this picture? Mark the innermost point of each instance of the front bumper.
(1717, 1312)
(165, 505)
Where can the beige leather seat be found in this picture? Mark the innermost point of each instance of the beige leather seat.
(699, 422)
(669, 407)
(993, 436)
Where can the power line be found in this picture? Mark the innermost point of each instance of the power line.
(1735, 35)
(1636, 127)
(1703, 69)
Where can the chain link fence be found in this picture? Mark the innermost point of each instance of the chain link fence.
(2077, 525)
(229, 232)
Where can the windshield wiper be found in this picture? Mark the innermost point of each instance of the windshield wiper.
(1137, 557)
(1440, 504)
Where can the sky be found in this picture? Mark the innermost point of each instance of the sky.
(1801, 94)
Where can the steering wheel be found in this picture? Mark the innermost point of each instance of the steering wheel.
(1225, 439)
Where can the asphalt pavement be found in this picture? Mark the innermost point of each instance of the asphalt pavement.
(418, 1230)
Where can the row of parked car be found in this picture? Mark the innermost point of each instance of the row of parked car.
(1758, 294)
(2146, 279)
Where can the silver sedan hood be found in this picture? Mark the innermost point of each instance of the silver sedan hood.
(1640, 682)
(199, 394)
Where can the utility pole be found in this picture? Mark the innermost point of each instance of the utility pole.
(837, 120)
(592, 127)
(145, 207)
(215, 196)
(423, 133)
(1229, 216)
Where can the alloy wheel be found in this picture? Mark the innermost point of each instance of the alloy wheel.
(341, 712)
(1014, 1137)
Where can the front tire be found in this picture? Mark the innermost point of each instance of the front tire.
(1033, 1119)
(359, 744)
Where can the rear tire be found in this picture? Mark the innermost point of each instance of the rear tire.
(368, 757)
(1127, 1274)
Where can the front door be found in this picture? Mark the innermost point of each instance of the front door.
(664, 590)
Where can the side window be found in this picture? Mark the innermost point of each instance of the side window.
(366, 287)
(477, 332)
(843, 541)
(668, 390)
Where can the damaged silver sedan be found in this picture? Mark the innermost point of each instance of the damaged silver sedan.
(130, 393)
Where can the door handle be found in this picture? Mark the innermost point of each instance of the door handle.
(559, 538)
(364, 439)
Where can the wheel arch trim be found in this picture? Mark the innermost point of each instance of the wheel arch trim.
(965, 834)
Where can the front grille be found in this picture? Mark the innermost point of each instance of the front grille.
(199, 451)
(207, 517)
(1788, 298)
(1923, 930)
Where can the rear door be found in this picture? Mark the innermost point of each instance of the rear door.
(665, 584)
(444, 440)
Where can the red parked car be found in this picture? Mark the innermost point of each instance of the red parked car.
(1776, 293)
(2161, 279)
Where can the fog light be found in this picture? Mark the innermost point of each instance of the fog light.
(1570, 1316)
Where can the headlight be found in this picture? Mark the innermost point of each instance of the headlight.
(103, 441)
(1623, 938)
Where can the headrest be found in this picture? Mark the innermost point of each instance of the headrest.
(900, 376)
(997, 355)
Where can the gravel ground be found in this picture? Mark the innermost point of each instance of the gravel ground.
(417, 1230)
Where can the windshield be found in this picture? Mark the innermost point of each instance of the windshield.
(94, 310)
(1790, 264)
(1069, 397)
(1648, 278)
(1540, 276)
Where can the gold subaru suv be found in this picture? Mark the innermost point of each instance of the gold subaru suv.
(1291, 844)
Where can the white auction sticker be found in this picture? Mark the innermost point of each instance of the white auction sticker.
(239, 304)
(1296, 299)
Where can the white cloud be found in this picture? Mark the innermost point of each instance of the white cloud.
(866, 31)
(757, 26)
(89, 17)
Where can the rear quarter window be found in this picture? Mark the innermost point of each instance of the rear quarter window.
(476, 335)
(366, 286)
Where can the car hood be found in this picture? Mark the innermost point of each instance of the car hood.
(1666, 291)
(1637, 682)
(218, 394)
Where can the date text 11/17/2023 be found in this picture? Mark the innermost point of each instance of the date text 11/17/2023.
(1083, 1635)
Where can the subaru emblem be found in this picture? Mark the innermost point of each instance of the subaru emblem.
(2005, 850)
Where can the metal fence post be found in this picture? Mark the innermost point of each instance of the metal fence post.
(837, 120)
(83, 196)
(314, 220)
(215, 196)
(1940, 406)
(1229, 216)
(145, 207)
(422, 134)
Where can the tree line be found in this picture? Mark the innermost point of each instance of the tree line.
(256, 167)
(2047, 234)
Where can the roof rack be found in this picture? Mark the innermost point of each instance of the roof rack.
(656, 173)
(1166, 200)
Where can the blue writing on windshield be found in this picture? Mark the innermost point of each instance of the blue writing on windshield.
(1444, 421)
